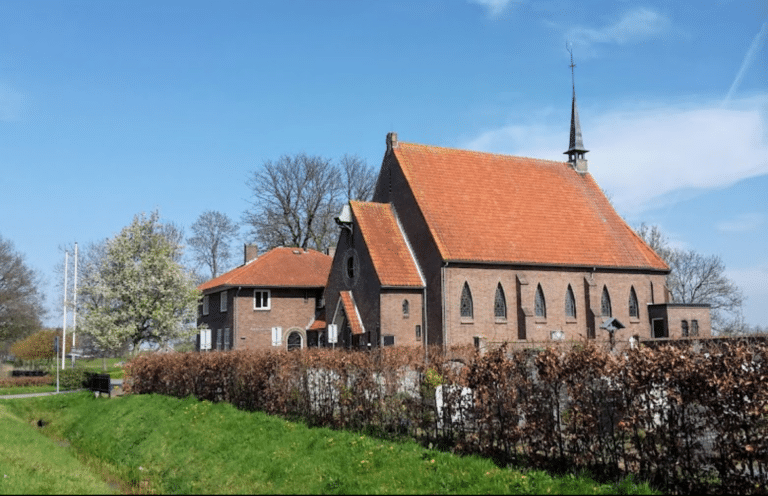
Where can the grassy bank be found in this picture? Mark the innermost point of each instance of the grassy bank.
(168, 445)
(31, 463)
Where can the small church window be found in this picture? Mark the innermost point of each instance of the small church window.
(500, 303)
(406, 308)
(541, 304)
(694, 328)
(351, 267)
(634, 310)
(684, 325)
(570, 303)
(466, 302)
(605, 304)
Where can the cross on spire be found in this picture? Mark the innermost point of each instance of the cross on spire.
(576, 148)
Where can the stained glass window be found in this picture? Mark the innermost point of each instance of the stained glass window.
(500, 303)
(570, 303)
(634, 311)
(605, 306)
(466, 302)
(541, 304)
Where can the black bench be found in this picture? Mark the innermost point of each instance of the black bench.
(99, 383)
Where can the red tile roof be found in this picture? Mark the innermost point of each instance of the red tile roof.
(392, 258)
(483, 207)
(350, 309)
(279, 267)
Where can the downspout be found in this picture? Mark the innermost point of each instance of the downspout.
(424, 321)
(443, 273)
(234, 318)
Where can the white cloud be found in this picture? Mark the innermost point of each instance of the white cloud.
(641, 155)
(742, 223)
(495, 7)
(636, 25)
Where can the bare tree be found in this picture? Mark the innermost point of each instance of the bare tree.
(296, 198)
(360, 178)
(292, 199)
(212, 233)
(696, 278)
(21, 303)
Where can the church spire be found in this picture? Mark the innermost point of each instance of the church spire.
(576, 149)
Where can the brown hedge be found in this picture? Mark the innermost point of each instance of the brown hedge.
(688, 417)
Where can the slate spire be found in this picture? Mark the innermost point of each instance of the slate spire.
(576, 148)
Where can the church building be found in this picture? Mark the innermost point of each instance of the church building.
(464, 247)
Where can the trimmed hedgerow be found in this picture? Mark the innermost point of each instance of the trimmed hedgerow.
(689, 417)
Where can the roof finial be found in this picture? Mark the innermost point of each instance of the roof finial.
(576, 149)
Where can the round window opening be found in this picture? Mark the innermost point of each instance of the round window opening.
(351, 267)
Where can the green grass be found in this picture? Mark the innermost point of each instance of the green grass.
(31, 463)
(169, 445)
(95, 365)
(46, 388)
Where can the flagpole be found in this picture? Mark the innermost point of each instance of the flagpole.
(64, 324)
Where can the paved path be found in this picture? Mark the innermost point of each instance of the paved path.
(33, 395)
(116, 383)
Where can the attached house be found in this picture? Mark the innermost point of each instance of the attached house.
(463, 247)
(273, 300)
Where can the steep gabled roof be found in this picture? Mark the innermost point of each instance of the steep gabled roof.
(483, 207)
(393, 259)
(350, 310)
(279, 267)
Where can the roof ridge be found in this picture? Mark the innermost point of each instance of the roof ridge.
(501, 155)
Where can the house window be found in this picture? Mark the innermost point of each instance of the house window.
(466, 302)
(500, 303)
(223, 301)
(261, 299)
(389, 340)
(418, 332)
(634, 310)
(540, 304)
(570, 303)
(684, 327)
(219, 340)
(406, 308)
(206, 299)
(227, 339)
(294, 341)
(694, 328)
(605, 304)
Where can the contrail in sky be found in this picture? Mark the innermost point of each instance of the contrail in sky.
(748, 58)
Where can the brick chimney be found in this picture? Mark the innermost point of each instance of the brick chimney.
(251, 252)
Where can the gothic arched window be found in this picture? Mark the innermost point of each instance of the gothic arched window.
(634, 310)
(605, 304)
(570, 303)
(500, 303)
(406, 308)
(466, 302)
(541, 304)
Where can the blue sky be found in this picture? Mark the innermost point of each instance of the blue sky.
(111, 108)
